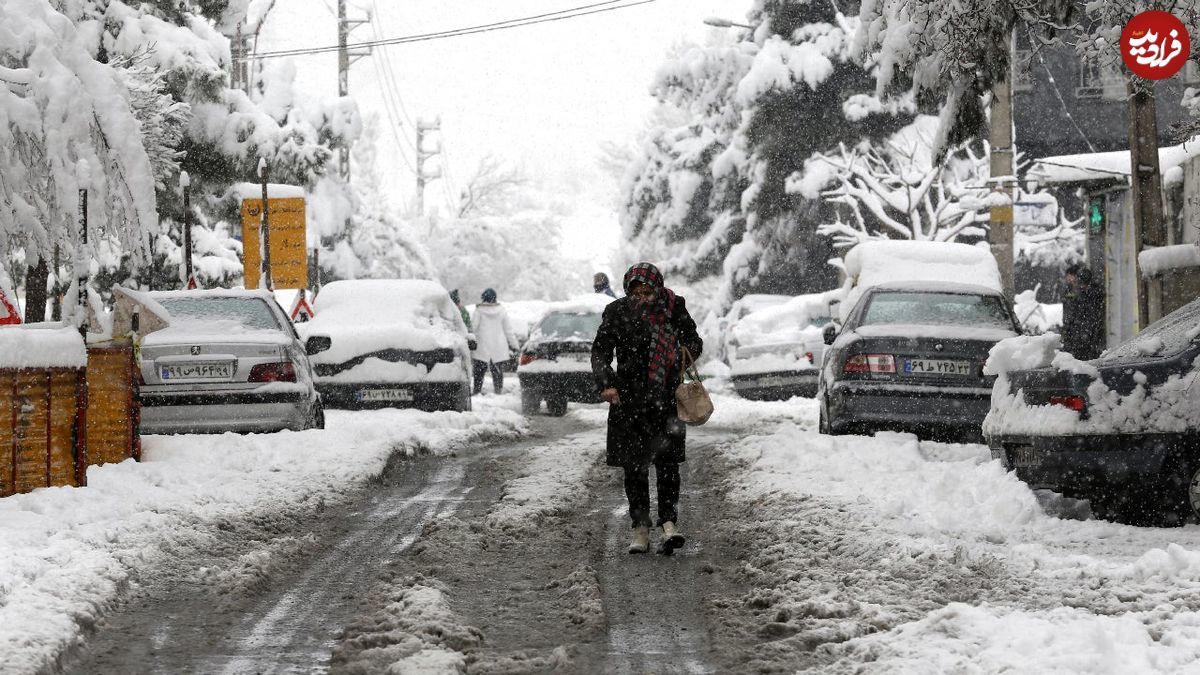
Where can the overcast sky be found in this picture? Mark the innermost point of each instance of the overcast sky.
(543, 97)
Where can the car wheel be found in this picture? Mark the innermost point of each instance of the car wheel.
(316, 419)
(557, 406)
(823, 423)
(531, 401)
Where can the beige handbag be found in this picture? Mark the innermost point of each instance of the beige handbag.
(692, 403)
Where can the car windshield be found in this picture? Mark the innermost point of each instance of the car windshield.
(1166, 337)
(249, 313)
(939, 309)
(570, 325)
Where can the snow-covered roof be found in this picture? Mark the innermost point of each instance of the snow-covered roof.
(1105, 165)
(581, 304)
(274, 191)
(1155, 261)
(45, 345)
(873, 263)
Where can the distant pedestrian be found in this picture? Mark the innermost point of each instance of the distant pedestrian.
(647, 331)
(466, 316)
(495, 341)
(601, 285)
(1083, 328)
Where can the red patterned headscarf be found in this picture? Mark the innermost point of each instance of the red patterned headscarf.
(657, 314)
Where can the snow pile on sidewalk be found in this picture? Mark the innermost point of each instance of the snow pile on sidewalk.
(68, 552)
(921, 557)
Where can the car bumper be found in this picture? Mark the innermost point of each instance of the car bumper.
(243, 412)
(429, 396)
(1082, 466)
(578, 387)
(781, 385)
(878, 405)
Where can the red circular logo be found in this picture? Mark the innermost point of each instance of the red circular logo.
(1155, 45)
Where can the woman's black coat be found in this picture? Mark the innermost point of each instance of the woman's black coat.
(643, 429)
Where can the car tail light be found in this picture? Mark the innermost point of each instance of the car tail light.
(870, 363)
(527, 359)
(810, 356)
(282, 371)
(1076, 403)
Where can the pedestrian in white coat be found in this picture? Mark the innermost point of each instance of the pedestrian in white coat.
(495, 341)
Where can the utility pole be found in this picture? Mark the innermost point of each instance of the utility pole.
(264, 232)
(346, 57)
(1149, 230)
(424, 155)
(82, 253)
(1000, 139)
(185, 182)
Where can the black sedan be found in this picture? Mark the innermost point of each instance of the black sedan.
(1122, 431)
(910, 358)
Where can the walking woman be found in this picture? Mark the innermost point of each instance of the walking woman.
(647, 331)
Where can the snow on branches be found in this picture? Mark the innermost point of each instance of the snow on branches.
(896, 190)
(59, 106)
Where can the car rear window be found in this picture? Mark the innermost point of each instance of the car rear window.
(570, 325)
(939, 309)
(1168, 336)
(249, 313)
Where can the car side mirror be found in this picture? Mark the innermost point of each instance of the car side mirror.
(829, 334)
(317, 344)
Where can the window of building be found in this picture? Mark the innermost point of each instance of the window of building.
(1100, 81)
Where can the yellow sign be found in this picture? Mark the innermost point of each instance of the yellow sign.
(289, 251)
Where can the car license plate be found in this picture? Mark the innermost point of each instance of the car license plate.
(384, 395)
(772, 381)
(1024, 456)
(199, 370)
(936, 367)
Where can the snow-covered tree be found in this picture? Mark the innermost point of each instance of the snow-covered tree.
(708, 197)
(952, 51)
(67, 123)
(896, 190)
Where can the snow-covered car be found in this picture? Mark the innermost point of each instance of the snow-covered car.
(230, 360)
(910, 357)
(740, 309)
(556, 362)
(1122, 430)
(775, 352)
(389, 343)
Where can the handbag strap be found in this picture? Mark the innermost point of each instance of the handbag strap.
(689, 365)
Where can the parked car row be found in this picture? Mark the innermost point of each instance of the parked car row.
(231, 360)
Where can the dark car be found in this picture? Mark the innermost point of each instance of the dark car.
(910, 357)
(1120, 430)
(556, 361)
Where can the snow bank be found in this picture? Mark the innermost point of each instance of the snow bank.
(68, 551)
(41, 346)
(1153, 262)
(874, 263)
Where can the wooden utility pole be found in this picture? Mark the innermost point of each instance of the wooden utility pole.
(1146, 185)
(185, 182)
(1000, 138)
(264, 233)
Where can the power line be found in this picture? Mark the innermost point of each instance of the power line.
(561, 15)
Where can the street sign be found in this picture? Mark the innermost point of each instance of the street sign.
(9, 314)
(289, 252)
(301, 310)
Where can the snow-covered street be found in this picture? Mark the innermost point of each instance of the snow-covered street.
(485, 542)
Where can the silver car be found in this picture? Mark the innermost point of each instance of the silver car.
(229, 361)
